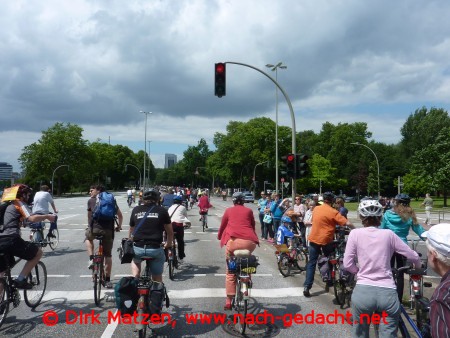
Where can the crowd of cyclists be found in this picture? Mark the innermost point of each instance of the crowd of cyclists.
(160, 213)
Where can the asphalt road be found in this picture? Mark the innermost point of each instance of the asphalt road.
(199, 288)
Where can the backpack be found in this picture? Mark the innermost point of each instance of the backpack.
(3, 207)
(126, 295)
(105, 208)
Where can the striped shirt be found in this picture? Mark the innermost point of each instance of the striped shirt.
(440, 308)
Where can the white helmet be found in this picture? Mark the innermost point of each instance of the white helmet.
(369, 208)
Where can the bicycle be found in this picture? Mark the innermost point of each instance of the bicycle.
(343, 281)
(203, 218)
(37, 235)
(243, 264)
(296, 255)
(172, 259)
(421, 304)
(9, 294)
(144, 305)
(98, 271)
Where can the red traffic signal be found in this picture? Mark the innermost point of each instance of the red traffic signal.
(220, 79)
(290, 158)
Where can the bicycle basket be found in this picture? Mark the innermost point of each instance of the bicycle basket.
(282, 248)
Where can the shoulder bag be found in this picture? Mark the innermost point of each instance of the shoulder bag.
(126, 250)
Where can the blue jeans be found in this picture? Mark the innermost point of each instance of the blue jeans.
(263, 228)
(314, 251)
(276, 224)
(156, 264)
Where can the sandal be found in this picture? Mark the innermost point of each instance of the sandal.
(227, 304)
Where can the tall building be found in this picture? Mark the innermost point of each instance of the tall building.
(171, 160)
(5, 171)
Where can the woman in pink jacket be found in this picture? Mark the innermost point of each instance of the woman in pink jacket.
(237, 232)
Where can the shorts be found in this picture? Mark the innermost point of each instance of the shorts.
(107, 238)
(156, 264)
(16, 246)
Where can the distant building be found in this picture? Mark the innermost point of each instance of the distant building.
(5, 171)
(171, 160)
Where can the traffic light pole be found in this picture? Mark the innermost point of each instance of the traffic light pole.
(288, 101)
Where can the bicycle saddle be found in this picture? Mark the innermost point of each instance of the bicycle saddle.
(242, 252)
(99, 237)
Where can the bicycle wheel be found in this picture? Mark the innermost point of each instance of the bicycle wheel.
(338, 286)
(301, 260)
(53, 241)
(37, 278)
(203, 222)
(98, 279)
(4, 300)
(402, 327)
(141, 328)
(284, 266)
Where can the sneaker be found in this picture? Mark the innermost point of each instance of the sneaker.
(108, 284)
(306, 292)
(22, 284)
(91, 264)
(206, 226)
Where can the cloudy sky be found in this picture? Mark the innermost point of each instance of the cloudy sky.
(99, 63)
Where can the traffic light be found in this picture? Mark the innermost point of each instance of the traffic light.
(290, 164)
(302, 166)
(220, 79)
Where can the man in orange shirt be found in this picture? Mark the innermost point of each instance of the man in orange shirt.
(324, 221)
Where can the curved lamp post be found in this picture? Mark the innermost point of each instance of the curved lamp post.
(140, 182)
(53, 176)
(275, 69)
(145, 141)
(254, 178)
(376, 158)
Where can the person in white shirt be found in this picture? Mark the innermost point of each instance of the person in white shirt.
(40, 206)
(178, 215)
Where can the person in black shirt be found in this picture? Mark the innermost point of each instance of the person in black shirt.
(148, 237)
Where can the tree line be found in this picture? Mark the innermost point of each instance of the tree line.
(420, 158)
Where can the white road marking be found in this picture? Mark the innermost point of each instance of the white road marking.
(109, 331)
(87, 295)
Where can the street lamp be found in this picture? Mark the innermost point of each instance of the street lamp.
(149, 160)
(254, 179)
(145, 141)
(275, 68)
(53, 176)
(376, 158)
(140, 182)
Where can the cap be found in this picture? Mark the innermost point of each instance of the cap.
(439, 238)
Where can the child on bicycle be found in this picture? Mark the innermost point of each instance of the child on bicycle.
(284, 234)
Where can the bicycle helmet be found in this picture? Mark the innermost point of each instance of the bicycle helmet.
(177, 199)
(328, 196)
(370, 208)
(238, 198)
(151, 194)
(286, 219)
(23, 190)
(403, 199)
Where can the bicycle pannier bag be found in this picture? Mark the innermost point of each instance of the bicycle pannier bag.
(126, 295)
(157, 295)
(105, 208)
(324, 268)
(344, 274)
(247, 264)
(126, 251)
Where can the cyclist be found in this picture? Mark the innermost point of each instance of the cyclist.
(40, 206)
(167, 199)
(438, 245)
(101, 227)
(237, 231)
(400, 219)
(178, 214)
(129, 197)
(283, 233)
(203, 206)
(375, 287)
(18, 214)
(321, 237)
(149, 237)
